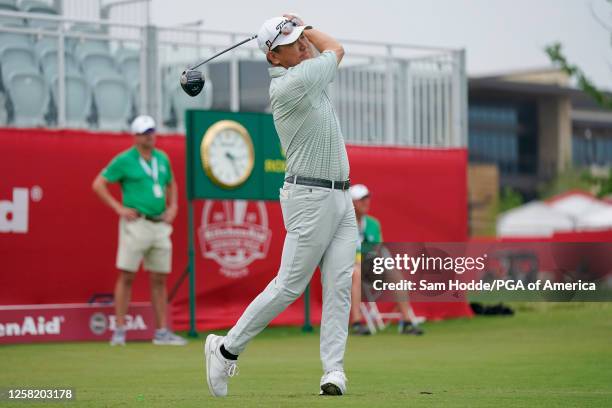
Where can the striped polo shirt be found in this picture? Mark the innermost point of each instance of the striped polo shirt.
(306, 121)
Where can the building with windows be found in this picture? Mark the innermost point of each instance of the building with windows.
(527, 127)
(591, 133)
(532, 125)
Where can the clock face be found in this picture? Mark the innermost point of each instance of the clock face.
(227, 154)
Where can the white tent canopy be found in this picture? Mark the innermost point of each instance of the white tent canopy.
(578, 205)
(598, 220)
(535, 219)
(572, 211)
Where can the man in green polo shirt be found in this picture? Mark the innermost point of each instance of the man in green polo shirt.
(146, 213)
(370, 232)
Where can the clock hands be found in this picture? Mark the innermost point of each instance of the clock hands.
(233, 161)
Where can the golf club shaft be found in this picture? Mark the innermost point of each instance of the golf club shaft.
(224, 51)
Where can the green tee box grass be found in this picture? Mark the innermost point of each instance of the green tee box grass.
(547, 355)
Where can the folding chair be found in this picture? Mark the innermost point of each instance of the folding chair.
(375, 319)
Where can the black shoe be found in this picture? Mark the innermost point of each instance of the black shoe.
(360, 329)
(409, 328)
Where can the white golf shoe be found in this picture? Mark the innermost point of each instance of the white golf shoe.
(333, 383)
(218, 368)
(118, 338)
(165, 337)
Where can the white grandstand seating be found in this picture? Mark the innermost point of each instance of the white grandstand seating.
(95, 77)
(72, 42)
(128, 62)
(17, 59)
(134, 87)
(45, 44)
(10, 5)
(124, 53)
(37, 6)
(130, 66)
(113, 103)
(106, 83)
(78, 99)
(99, 65)
(29, 97)
(98, 74)
(12, 39)
(49, 64)
(87, 47)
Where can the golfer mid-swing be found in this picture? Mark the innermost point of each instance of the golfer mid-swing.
(317, 208)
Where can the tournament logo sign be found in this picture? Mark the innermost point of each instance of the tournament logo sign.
(234, 233)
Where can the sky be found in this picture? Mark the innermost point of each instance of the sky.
(498, 35)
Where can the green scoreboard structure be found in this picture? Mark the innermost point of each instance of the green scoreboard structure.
(268, 168)
(230, 156)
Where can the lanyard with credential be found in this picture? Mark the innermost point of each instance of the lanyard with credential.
(153, 172)
(362, 227)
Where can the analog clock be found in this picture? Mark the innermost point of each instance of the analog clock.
(227, 154)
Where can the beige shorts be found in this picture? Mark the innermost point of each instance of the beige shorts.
(144, 240)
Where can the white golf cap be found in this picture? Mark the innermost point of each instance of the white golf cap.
(268, 36)
(359, 191)
(143, 124)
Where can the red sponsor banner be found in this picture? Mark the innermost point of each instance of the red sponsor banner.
(58, 241)
(415, 193)
(72, 322)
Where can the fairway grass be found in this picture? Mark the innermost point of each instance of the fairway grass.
(547, 355)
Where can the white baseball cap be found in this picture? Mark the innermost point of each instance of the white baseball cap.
(143, 124)
(277, 31)
(359, 191)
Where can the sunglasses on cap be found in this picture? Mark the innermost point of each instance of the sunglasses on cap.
(147, 132)
(284, 27)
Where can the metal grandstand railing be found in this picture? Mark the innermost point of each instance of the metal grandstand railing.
(414, 101)
(31, 40)
(385, 94)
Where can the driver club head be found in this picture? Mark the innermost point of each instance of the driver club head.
(192, 82)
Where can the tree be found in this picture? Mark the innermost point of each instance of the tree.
(555, 53)
(577, 179)
(569, 179)
(508, 199)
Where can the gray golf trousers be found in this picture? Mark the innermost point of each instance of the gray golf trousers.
(321, 230)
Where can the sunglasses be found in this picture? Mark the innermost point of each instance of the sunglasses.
(147, 132)
(285, 27)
